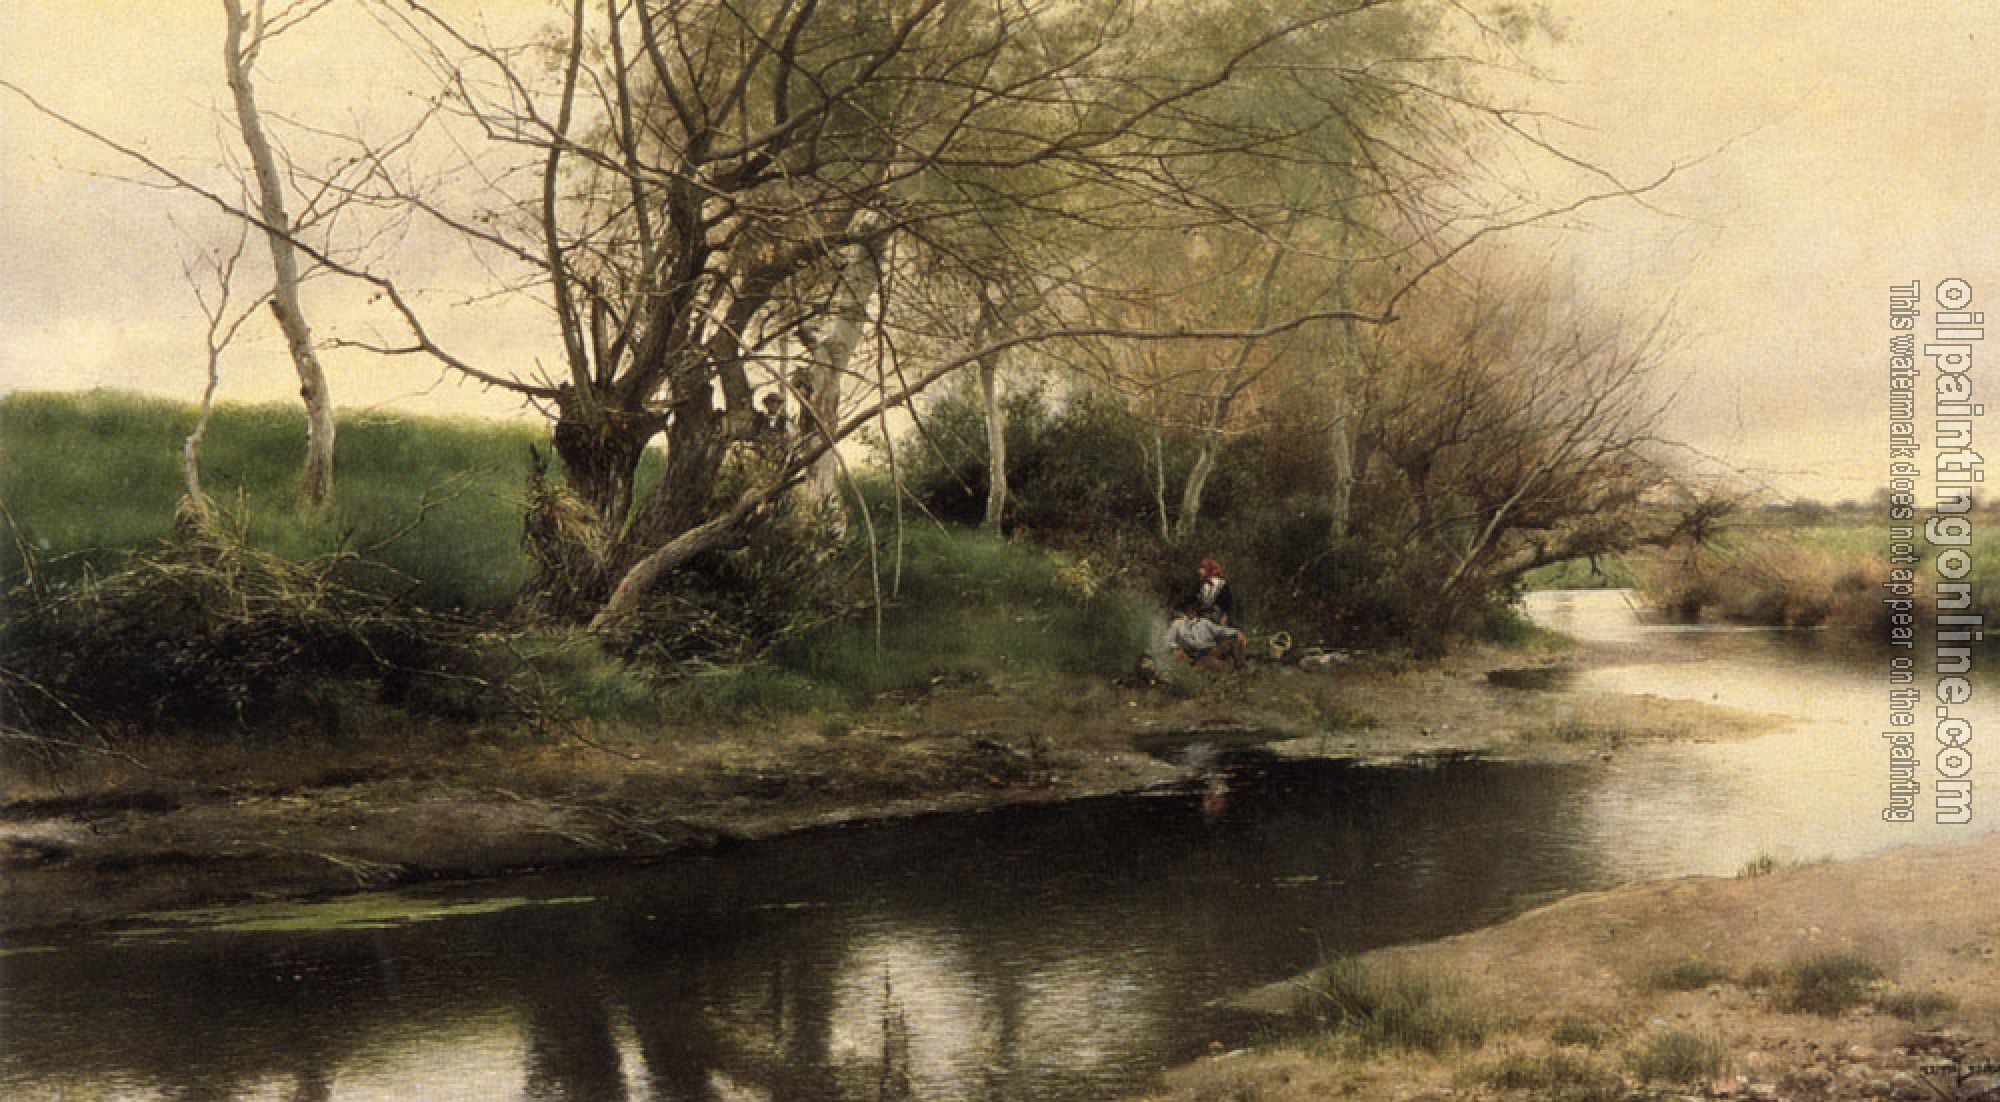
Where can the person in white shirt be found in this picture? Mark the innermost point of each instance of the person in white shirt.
(1204, 643)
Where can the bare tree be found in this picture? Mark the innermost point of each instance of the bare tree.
(213, 283)
(1519, 425)
(244, 38)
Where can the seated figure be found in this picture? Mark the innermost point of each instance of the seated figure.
(1202, 642)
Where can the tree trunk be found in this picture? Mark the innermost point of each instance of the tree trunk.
(1340, 501)
(1204, 465)
(836, 343)
(1340, 448)
(614, 619)
(317, 484)
(1233, 383)
(996, 442)
(573, 534)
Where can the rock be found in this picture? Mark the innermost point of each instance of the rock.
(1908, 1088)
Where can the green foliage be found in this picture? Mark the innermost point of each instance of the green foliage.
(791, 576)
(568, 672)
(90, 476)
(1679, 1056)
(760, 690)
(1828, 983)
(973, 606)
(1078, 472)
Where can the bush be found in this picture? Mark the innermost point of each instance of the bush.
(1573, 1029)
(1678, 1056)
(791, 576)
(1829, 983)
(204, 628)
(1916, 1006)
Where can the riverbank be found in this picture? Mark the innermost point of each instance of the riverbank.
(1875, 978)
(93, 838)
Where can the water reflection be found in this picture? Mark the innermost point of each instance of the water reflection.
(1024, 954)
(1813, 786)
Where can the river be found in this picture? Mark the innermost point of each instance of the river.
(1065, 952)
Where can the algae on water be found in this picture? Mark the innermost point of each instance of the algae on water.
(366, 911)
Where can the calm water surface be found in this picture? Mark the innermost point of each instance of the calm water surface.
(1026, 954)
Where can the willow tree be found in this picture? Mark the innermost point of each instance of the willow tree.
(716, 184)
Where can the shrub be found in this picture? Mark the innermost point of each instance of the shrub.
(1829, 983)
(1574, 1029)
(204, 628)
(1678, 1056)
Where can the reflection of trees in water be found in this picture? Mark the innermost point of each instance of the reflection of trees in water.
(1019, 954)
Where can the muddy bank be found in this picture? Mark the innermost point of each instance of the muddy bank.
(1876, 978)
(92, 838)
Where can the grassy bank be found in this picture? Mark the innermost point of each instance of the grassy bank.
(89, 477)
(256, 629)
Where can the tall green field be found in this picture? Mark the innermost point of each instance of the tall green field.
(85, 477)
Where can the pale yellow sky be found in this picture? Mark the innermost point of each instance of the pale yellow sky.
(1849, 146)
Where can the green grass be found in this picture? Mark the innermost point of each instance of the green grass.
(972, 608)
(85, 477)
(1611, 572)
(88, 478)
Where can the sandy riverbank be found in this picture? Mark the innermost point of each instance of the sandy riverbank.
(1875, 978)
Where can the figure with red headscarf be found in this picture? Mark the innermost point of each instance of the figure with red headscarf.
(1214, 598)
